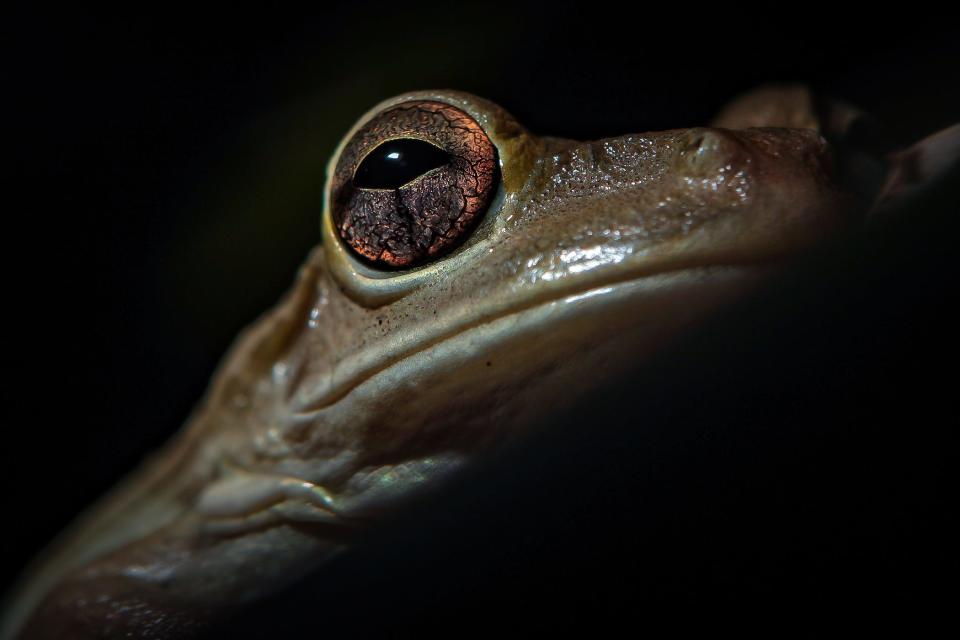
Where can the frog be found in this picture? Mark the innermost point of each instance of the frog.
(472, 279)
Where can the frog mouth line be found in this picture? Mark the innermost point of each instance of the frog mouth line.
(596, 288)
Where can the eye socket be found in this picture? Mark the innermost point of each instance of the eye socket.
(412, 183)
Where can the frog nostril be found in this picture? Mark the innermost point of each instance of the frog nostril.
(706, 150)
(695, 144)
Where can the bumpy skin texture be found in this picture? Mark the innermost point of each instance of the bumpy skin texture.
(363, 388)
(428, 216)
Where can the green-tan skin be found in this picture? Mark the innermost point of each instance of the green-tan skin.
(363, 388)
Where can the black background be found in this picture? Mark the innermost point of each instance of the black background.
(165, 182)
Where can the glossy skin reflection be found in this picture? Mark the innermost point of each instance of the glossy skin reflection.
(439, 319)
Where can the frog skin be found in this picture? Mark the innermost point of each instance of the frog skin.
(365, 387)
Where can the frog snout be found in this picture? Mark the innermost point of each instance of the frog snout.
(765, 153)
(803, 147)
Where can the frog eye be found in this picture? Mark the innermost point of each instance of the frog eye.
(412, 183)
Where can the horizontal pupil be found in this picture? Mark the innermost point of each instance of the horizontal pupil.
(397, 162)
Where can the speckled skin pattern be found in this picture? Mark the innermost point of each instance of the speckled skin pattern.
(429, 215)
(365, 387)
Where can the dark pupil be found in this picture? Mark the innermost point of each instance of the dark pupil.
(397, 162)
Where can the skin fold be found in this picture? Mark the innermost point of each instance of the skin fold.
(364, 388)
